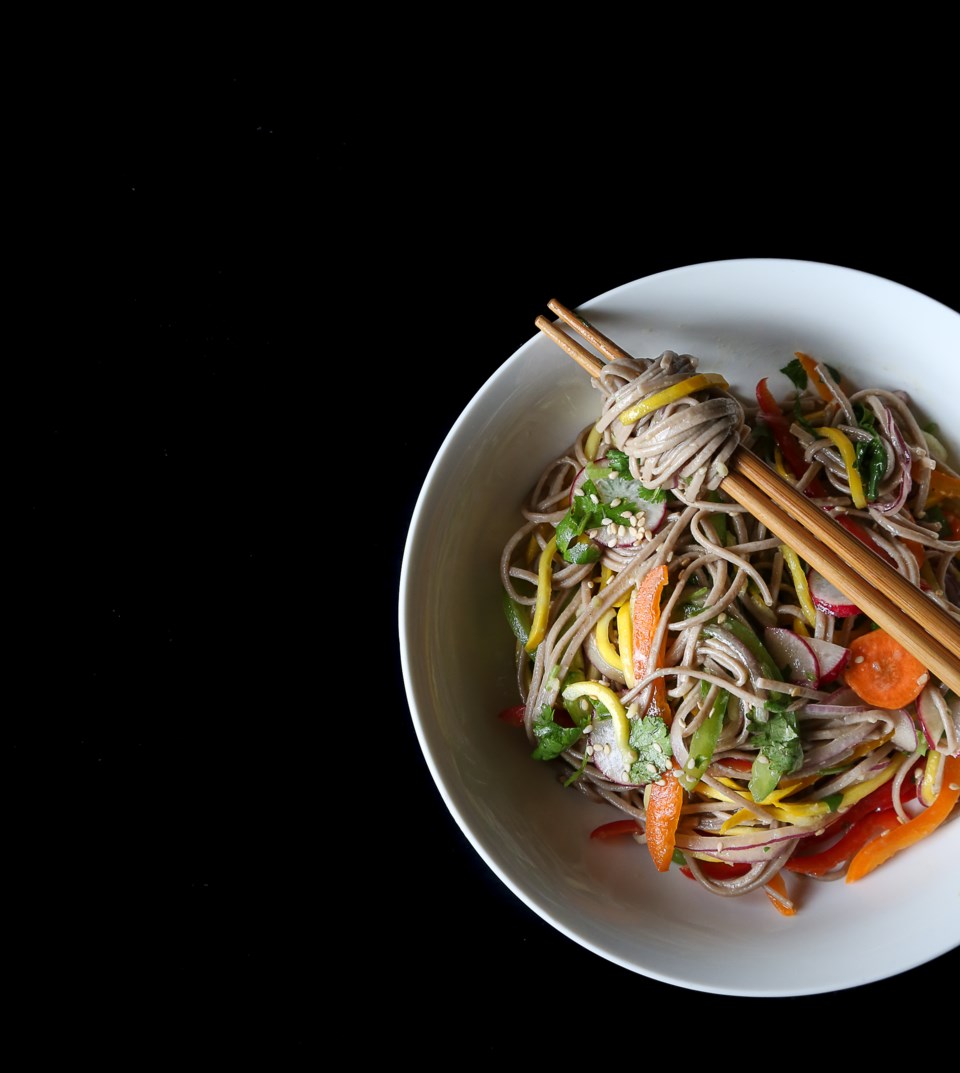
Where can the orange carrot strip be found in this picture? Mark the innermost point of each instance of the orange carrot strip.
(907, 834)
(813, 375)
(942, 486)
(882, 672)
(663, 815)
(776, 891)
(646, 618)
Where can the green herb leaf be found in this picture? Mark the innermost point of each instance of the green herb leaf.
(651, 739)
(552, 739)
(871, 455)
(796, 373)
(781, 752)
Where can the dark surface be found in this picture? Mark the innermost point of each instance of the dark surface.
(219, 803)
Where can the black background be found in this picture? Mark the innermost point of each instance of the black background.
(222, 835)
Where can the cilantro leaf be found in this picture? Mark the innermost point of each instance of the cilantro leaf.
(585, 514)
(651, 739)
(552, 739)
(781, 752)
(795, 372)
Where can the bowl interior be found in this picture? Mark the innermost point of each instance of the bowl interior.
(744, 319)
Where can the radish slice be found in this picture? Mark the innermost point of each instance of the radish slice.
(651, 515)
(904, 729)
(792, 653)
(832, 658)
(828, 598)
(611, 760)
(928, 715)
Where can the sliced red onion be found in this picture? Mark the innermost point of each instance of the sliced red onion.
(752, 847)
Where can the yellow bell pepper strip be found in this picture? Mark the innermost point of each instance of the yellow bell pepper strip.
(795, 567)
(646, 618)
(646, 406)
(849, 455)
(605, 695)
(604, 644)
(916, 828)
(592, 443)
(625, 642)
(541, 610)
(927, 788)
(664, 805)
(814, 379)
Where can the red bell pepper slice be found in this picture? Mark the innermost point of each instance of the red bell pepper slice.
(718, 869)
(788, 443)
(513, 715)
(862, 824)
(616, 829)
(842, 851)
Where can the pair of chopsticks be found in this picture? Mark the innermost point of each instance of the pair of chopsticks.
(920, 625)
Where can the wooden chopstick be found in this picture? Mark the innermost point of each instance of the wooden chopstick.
(923, 627)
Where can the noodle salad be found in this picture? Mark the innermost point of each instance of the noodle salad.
(679, 662)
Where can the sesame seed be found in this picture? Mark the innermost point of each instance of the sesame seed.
(658, 746)
(923, 679)
(720, 843)
(615, 502)
(589, 750)
(621, 530)
(691, 764)
(593, 498)
(858, 659)
(625, 775)
(651, 767)
(606, 749)
(762, 759)
(606, 521)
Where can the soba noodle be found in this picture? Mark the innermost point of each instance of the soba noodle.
(770, 757)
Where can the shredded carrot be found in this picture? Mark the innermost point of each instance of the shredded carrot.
(810, 367)
(916, 549)
(663, 814)
(646, 618)
(882, 672)
(776, 891)
(917, 827)
(942, 486)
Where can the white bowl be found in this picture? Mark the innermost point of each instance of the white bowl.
(744, 319)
